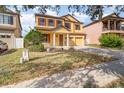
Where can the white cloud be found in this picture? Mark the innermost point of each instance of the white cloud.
(82, 17)
(108, 11)
(27, 20)
(49, 12)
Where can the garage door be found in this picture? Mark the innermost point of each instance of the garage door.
(19, 43)
(79, 41)
(71, 41)
(7, 39)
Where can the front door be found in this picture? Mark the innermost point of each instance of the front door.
(61, 40)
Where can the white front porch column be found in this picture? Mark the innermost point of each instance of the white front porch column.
(54, 40)
(67, 40)
(108, 24)
(114, 25)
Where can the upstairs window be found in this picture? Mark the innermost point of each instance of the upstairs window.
(41, 22)
(68, 25)
(5, 36)
(59, 23)
(50, 22)
(1, 19)
(122, 27)
(5, 19)
(77, 27)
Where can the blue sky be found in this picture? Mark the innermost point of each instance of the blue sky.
(28, 19)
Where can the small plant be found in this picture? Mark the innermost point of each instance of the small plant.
(36, 48)
(111, 40)
(89, 85)
(66, 65)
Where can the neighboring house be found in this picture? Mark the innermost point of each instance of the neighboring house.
(64, 31)
(109, 24)
(10, 27)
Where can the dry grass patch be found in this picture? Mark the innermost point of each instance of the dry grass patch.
(43, 63)
(116, 83)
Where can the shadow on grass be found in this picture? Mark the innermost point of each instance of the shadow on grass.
(8, 52)
(115, 68)
(35, 58)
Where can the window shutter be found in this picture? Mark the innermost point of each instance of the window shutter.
(11, 20)
(38, 21)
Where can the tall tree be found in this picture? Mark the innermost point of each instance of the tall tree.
(94, 11)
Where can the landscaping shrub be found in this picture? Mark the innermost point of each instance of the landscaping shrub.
(111, 40)
(34, 37)
(66, 65)
(36, 48)
(71, 49)
(33, 41)
(90, 85)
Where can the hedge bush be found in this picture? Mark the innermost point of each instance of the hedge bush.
(34, 37)
(111, 40)
(36, 48)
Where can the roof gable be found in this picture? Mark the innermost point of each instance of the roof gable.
(65, 18)
(71, 18)
(111, 15)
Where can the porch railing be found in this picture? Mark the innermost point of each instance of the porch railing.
(117, 29)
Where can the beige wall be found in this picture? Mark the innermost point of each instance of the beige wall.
(93, 32)
(12, 30)
(15, 27)
(10, 41)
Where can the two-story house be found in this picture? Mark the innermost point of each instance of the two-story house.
(10, 27)
(64, 31)
(109, 24)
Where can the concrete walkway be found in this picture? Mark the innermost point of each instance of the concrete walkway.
(100, 74)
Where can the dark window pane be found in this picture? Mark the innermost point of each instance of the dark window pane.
(42, 21)
(59, 23)
(67, 25)
(51, 22)
(77, 27)
(8, 36)
(2, 36)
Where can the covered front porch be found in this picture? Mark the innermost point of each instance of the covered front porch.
(60, 40)
(63, 40)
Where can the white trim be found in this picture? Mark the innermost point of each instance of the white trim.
(5, 34)
(54, 39)
(67, 39)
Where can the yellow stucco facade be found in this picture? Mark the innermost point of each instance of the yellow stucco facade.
(60, 31)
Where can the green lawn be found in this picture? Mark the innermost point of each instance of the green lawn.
(43, 63)
(103, 47)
